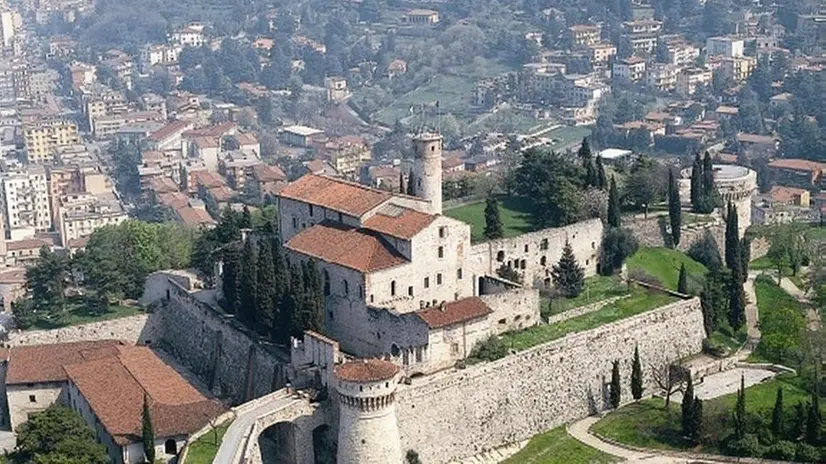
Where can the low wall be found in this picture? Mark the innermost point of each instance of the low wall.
(462, 413)
(141, 328)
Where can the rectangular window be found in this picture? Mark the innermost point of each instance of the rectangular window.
(410, 290)
(32, 399)
(459, 273)
(454, 349)
(295, 223)
(427, 282)
(311, 210)
(442, 232)
(441, 252)
(393, 288)
(438, 279)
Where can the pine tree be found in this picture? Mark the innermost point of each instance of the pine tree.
(567, 275)
(230, 280)
(636, 375)
(682, 281)
(687, 406)
(737, 300)
(265, 301)
(777, 415)
(602, 182)
(248, 282)
(411, 184)
(814, 421)
(674, 211)
(696, 181)
(695, 421)
(613, 205)
(732, 239)
(148, 435)
(739, 415)
(616, 386)
(493, 221)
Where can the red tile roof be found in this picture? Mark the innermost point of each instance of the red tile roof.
(454, 312)
(174, 200)
(246, 138)
(268, 173)
(798, 165)
(44, 363)
(207, 179)
(217, 130)
(366, 370)
(346, 246)
(337, 195)
(395, 221)
(206, 142)
(115, 387)
(222, 193)
(26, 244)
(194, 216)
(169, 129)
(786, 194)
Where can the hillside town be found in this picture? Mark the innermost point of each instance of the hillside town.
(385, 232)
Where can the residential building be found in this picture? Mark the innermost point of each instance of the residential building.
(798, 172)
(25, 202)
(348, 154)
(642, 26)
(662, 77)
(756, 144)
(601, 53)
(7, 30)
(191, 35)
(640, 43)
(44, 134)
(300, 136)
(170, 136)
(731, 47)
(81, 214)
(682, 53)
(585, 34)
(737, 69)
(336, 88)
(421, 17)
(689, 79)
(236, 166)
(629, 69)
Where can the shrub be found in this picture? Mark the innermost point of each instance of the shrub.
(706, 251)
(749, 445)
(490, 349)
(714, 349)
(806, 453)
(617, 245)
(783, 450)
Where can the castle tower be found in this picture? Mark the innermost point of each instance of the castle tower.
(367, 430)
(428, 169)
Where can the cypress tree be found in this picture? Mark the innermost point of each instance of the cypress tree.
(708, 193)
(567, 275)
(682, 282)
(709, 312)
(737, 300)
(636, 375)
(801, 410)
(493, 221)
(246, 218)
(696, 181)
(591, 176)
(282, 288)
(602, 182)
(401, 182)
(695, 422)
(745, 258)
(411, 184)
(585, 157)
(295, 303)
(739, 415)
(148, 433)
(265, 302)
(315, 298)
(732, 239)
(613, 205)
(230, 279)
(687, 407)
(584, 152)
(777, 414)
(616, 386)
(248, 282)
(814, 421)
(674, 211)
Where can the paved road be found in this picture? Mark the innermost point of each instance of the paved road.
(752, 316)
(236, 435)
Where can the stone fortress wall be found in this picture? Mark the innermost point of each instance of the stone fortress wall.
(462, 413)
(141, 328)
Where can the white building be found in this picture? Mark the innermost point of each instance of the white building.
(691, 78)
(725, 46)
(25, 202)
(662, 77)
(191, 35)
(81, 214)
(629, 69)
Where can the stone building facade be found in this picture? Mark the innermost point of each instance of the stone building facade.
(736, 184)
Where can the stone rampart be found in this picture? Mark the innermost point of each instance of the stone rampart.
(654, 232)
(462, 413)
(582, 310)
(141, 328)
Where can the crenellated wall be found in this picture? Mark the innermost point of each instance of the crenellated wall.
(461, 413)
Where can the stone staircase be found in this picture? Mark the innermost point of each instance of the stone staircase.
(494, 456)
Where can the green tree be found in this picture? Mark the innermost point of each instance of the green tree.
(745, 257)
(695, 421)
(46, 281)
(647, 184)
(295, 302)
(553, 183)
(707, 197)
(674, 209)
(814, 421)
(696, 180)
(265, 299)
(777, 414)
(411, 184)
(617, 245)
(57, 435)
(249, 283)
(616, 386)
(687, 407)
(24, 313)
(733, 240)
(737, 301)
(614, 214)
(493, 220)
(801, 412)
(636, 375)
(315, 298)
(230, 281)
(412, 457)
(739, 416)
(682, 281)
(148, 433)
(567, 275)
(602, 182)
(509, 273)
(706, 252)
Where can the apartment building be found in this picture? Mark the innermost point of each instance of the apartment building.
(662, 77)
(725, 46)
(44, 134)
(629, 69)
(191, 35)
(236, 166)
(348, 154)
(641, 43)
(642, 26)
(600, 53)
(25, 202)
(689, 79)
(81, 214)
(737, 69)
(585, 34)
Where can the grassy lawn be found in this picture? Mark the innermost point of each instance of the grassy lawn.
(597, 288)
(723, 338)
(204, 449)
(514, 211)
(691, 218)
(557, 447)
(79, 314)
(647, 424)
(562, 137)
(781, 321)
(452, 92)
(771, 296)
(664, 265)
(640, 301)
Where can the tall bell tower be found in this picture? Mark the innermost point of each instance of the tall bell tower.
(427, 173)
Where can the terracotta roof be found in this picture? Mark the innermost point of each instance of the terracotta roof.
(44, 363)
(206, 142)
(217, 130)
(115, 387)
(194, 216)
(246, 138)
(395, 221)
(268, 173)
(757, 138)
(221, 193)
(26, 244)
(346, 246)
(786, 194)
(15, 275)
(169, 129)
(77, 243)
(162, 185)
(454, 312)
(334, 194)
(798, 165)
(207, 179)
(174, 200)
(366, 370)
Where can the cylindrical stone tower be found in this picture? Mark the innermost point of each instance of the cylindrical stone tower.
(427, 182)
(367, 430)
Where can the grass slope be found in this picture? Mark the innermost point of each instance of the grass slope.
(80, 314)
(514, 211)
(597, 288)
(557, 447)
(664, 265)
(204, 449)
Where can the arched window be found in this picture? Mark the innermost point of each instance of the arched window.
(346, 286)
(500, 256)
(326, 282)
(543, 261)
(170, 447)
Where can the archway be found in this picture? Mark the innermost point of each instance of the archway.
(278, 444)
(170, 447)
(325, 447)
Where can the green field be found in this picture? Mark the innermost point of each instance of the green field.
(557, 447)
(664, 265)
(514, 211)
(647, 424)
(562, 137)
(640, 301)
(597, 288)
(203, 450)
(79, 314)
(782, 319)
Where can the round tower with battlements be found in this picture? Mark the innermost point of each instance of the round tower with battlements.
(367, 430)
(427, 174)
